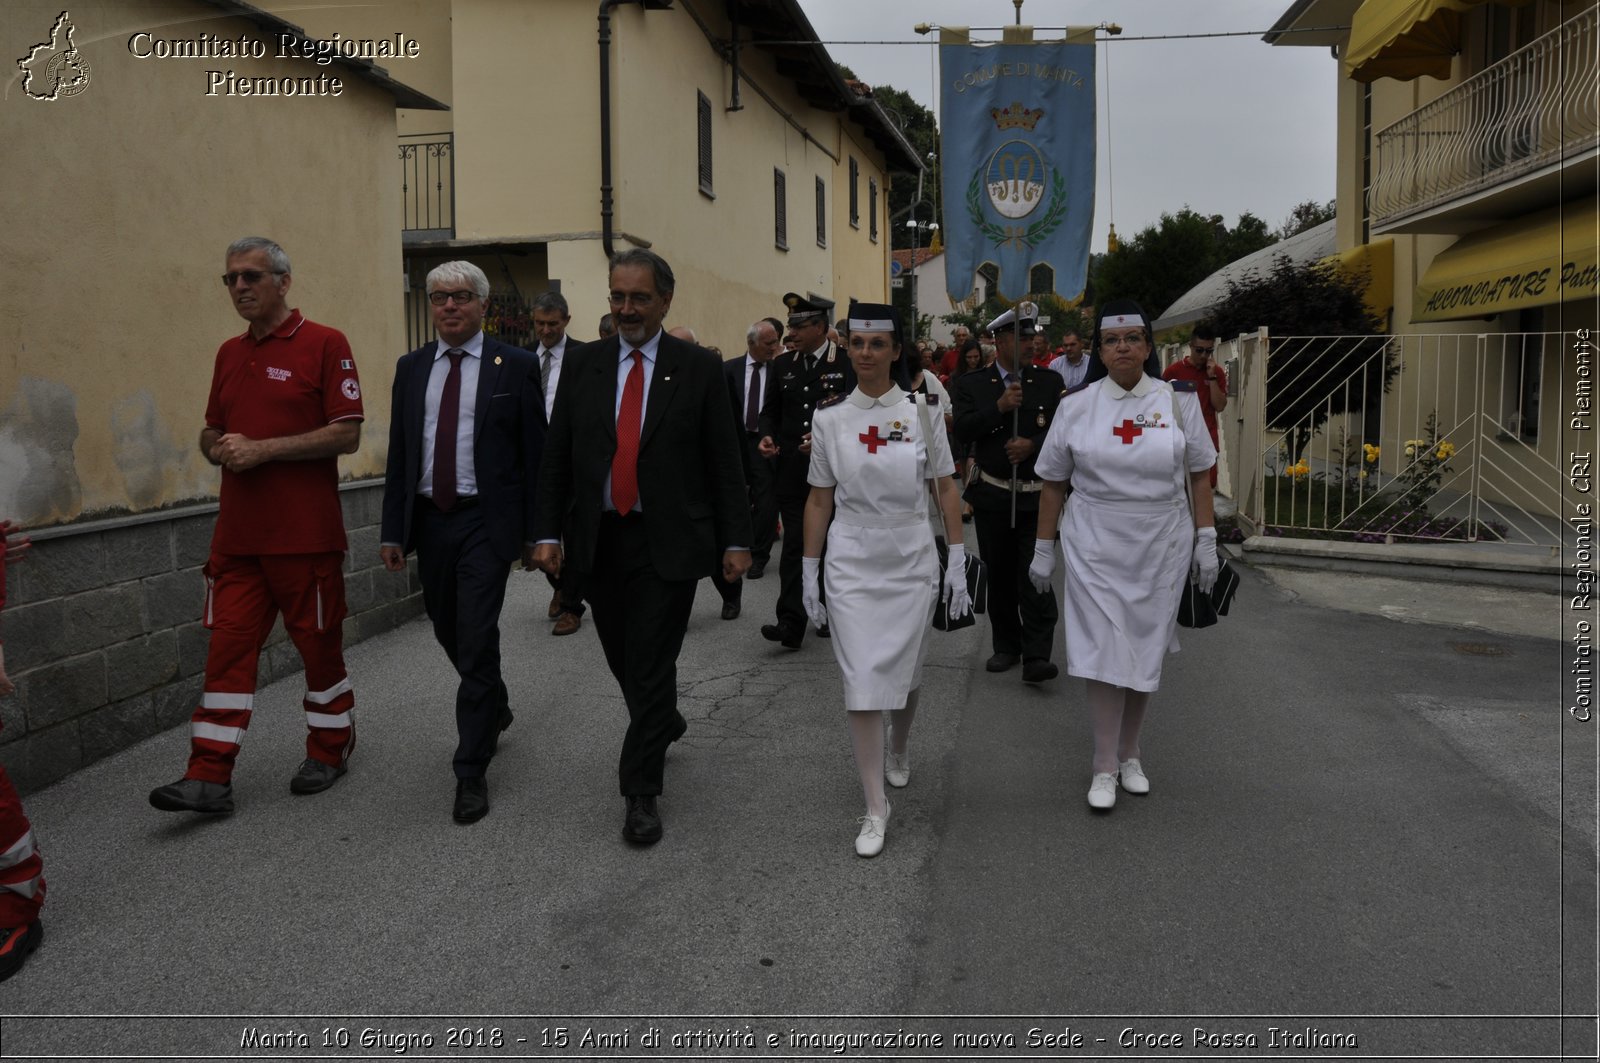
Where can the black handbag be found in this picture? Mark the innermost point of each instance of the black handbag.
(977, 590)
(1196, 608)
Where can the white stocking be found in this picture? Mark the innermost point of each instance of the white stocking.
(866, 734)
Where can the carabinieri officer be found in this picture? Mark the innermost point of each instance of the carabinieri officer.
(813, 371)
(1003, 412)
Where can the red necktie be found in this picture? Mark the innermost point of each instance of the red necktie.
(444, 440)
(625, 463)
(752, 406)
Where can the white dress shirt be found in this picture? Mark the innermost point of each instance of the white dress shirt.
(1071, 374)
(466, 479)
(557, 354)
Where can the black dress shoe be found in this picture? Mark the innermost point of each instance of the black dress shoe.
(730, 610)
(194, 795)
(824, 633)
(757, 570)
(1001, 662)
(783, 633)
(1038, 671)
(472, 799)
(507, 717)
(642, 824)
(681, 729)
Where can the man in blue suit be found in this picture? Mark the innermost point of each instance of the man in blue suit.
(465, 434)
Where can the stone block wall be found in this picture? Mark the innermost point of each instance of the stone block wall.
(103, 634)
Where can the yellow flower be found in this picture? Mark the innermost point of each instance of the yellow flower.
(1411, 450)
(1363, 474)
(1446, 449)
(1372, 451)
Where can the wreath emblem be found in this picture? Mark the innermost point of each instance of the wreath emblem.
(1019, 236)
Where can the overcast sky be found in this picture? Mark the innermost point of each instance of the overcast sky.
(1224, 124)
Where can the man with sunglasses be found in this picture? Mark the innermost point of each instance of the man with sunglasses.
(285, 403)
(1208, 377)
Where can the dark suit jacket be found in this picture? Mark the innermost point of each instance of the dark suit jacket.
(508, 432)
(691, 477)
(981, 425)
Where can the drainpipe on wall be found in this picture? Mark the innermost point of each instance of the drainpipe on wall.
(605, 111)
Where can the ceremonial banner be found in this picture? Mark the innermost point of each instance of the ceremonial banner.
(1017, 136)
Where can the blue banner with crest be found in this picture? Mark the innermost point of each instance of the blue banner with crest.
(1017, 148)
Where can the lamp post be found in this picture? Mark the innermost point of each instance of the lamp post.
(917, 228)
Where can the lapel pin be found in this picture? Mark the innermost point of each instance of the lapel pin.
(497, 359)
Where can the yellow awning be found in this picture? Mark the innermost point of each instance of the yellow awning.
(1374, 261)
(1404, 39)
(1536, 260)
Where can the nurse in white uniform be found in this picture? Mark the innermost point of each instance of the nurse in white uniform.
(1127, 442)
(874, 455)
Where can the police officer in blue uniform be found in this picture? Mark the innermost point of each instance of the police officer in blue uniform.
(813, 371)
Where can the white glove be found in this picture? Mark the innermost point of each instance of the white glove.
(955, 594)
(1044, 565)
(1203, 569)
(811, 590)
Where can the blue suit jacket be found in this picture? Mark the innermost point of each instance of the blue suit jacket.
(507, 439)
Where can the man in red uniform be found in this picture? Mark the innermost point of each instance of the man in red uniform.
(1208, 377)
(21, 869)
(285, 403)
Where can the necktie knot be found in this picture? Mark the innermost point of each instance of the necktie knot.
(455, 354)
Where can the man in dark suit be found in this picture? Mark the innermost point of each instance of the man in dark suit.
(465, 433)
(1003, 412)
(749, 379)
(814, 370)
(641, 477)
(550, 318)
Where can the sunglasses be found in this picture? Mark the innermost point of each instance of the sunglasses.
(1204, 350)
(249, 276)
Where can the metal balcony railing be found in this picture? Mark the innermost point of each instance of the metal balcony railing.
(428, 185)
(1536, 107)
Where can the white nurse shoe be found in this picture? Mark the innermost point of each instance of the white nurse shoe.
(1103, 791)
(870, 841)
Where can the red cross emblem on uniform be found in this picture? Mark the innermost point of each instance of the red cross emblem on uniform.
(1127, 430)
(873, 441)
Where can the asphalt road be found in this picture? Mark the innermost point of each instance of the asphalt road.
(1356, 817)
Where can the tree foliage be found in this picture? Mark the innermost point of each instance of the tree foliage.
(1312, 374)
(1164, 261)
(1307, 215)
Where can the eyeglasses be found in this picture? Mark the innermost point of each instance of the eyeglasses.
(640, 300)
(460, 298)
(249, 276)
(1202, 350)
(1132, 339)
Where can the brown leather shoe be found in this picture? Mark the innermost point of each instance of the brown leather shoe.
(555, 604)
(567, 624)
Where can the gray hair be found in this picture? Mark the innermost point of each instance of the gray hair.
(552, 300)
(459, 272)
(638, 256)
(754, 330)
(275, 254)
(608, 326)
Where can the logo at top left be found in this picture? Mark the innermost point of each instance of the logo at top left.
(55, 68)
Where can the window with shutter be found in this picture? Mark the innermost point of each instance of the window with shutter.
(855, 194)
(780, 198)
(822, 214)
(872, 208)
(705, 143)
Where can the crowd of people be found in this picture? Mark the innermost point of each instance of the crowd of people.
(629, 468)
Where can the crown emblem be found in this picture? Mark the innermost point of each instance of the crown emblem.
(1016, 116)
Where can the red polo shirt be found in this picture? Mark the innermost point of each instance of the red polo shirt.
(1183, 369)
(297, 379)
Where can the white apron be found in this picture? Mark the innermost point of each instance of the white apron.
(880, 571)
(1127, 537)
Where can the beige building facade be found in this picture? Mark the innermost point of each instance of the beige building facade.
(1467, 150)
(753, 169)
